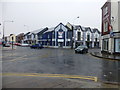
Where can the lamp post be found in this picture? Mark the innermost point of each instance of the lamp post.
(74, 32)
(4, 31)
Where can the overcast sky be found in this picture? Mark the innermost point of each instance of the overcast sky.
(29, 15)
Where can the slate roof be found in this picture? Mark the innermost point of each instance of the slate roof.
(50, 29)
(26, 33)
(89, 29)
(44, 30)
(36, 31)
(79, 27)
(96, 30)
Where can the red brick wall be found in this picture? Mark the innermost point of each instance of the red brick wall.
(106, 17)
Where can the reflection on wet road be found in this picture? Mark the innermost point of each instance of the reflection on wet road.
(59, 61)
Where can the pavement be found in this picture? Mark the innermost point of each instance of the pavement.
(99, 54)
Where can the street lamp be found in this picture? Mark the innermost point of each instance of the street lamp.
(4, 31)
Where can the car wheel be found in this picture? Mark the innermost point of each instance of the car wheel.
(83, 52)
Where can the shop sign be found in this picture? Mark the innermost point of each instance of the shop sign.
(60, 40)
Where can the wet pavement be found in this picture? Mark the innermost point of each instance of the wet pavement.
(104, 55)
(47, 82)
(58, 61)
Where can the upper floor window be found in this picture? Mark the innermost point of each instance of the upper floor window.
(79, 36)
(88, 37)
(105, 26)
(34, 36)
(48, 36)
(53, 35)
(40, 36)
(105, 10)
(96, 35)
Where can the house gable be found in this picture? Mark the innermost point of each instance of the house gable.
(60, 27)
(68, 25)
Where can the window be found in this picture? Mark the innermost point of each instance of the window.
(48, 36)
(105, 44)
(79, 36)
(53, 35)
(34, 36)
(40, 36)
(95, 39)
(105, 26)
(88, 37)
(117, 45)
(105, 10)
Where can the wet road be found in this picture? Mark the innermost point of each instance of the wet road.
(58, 61)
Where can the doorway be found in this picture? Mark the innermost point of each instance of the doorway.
(60, 44)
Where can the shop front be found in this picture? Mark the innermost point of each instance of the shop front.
(61, 38)
(105, 44)
(117, 45)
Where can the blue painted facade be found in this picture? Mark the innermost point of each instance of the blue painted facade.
(59, 36)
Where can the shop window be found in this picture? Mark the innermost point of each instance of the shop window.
(105, 44)
(117, 45)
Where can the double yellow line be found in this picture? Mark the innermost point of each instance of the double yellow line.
(52, 75)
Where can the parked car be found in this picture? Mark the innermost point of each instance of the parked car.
(35, 46)
(7, 45)
(17, 44)
(81, 49)
(0, 43)
(25, 45)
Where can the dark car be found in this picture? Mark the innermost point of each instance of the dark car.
(81, 49)
(6, 45)
(36, 46)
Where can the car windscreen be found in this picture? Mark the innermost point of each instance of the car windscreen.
(80, 47)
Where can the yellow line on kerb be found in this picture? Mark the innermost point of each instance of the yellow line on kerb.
(52, 75)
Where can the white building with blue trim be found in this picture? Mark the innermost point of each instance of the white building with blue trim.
(59, 36)
(64, 36)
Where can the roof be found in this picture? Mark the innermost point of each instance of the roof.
(96, 30)
(82, 28)
(89, 29)
(26, 33)
(42, 31)
(50, 29)
(36, 31)
(11, 34)
(86, 29)
(69, 26)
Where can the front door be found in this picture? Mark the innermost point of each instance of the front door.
(60, 44)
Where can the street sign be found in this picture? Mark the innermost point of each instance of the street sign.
(111, 34)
